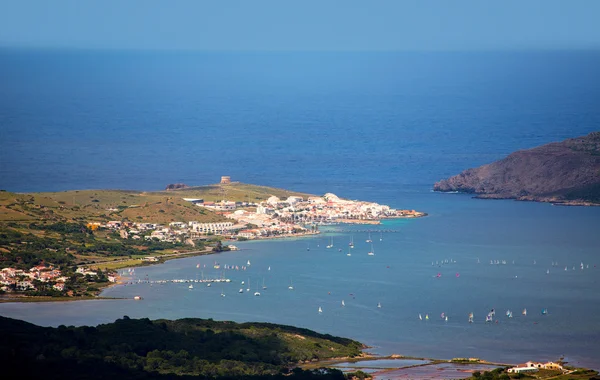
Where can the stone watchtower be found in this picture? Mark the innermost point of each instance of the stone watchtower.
(225, 179)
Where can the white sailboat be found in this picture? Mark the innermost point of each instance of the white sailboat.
(379, 305)
(257, 293)
(264, 286)
(372, 252)
(380, 236)
(241, 290)
(470, 317)
(524, 312)
(248, 288)
(191, 287)
(291, 287)
(248, 263)
(420, 317)
(369, 239)
(351, 244)
(320, 310)
(330, 244)
(343, 303)
(269, 268)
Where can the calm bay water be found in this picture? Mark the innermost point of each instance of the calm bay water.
(380, 127)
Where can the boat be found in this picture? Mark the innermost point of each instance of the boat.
(420, 317)
(264, 286)
(372, 252)
(330, 244)
(208, 285)
(291, 287)
(137, 298)
(488, 318)
(269, 268)
(241, 290)
(343, 303)
(379, 305)
(248, 263)
(470, 317)
(248, 288)
(243, 282)
(426, 317)
(308, 247)
(547, 271)
(351, 244)
(369, 239)
(443, 315)
(544, 311)
(197, 265)
(380, 236)
(257, 293)
(446, 319)
(191, 287)
(524, 311)
(222, 294)
(509, 313)
(320, 310)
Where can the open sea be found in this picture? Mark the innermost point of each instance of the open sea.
(380, 127)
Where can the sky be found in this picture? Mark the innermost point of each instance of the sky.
(398, 25)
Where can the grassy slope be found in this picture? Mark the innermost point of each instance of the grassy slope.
(157, 207)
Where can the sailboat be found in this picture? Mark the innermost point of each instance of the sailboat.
(351, 244)
(191, 286)
(248, 288)
(257, 293)
(269, 268)
(420, 317)
(509, 313)
(197, 265)
(369, 239)
(291, 287)
(544, 311)
(308, 247)
(426, 317)
(343, 303)
(547, 271)
(320, 310)
(264, 286)
(222, 294)
(488, 318)
(241, 290)
(380, 236)
(446, 319)
(524, 312)
(330, 244)
(379, 305)
(372, 252)
(470, 317)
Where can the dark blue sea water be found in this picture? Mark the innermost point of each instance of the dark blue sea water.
(372, 126)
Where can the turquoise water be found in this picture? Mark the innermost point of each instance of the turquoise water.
(400, 277)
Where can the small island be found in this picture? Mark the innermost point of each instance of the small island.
(566, 173)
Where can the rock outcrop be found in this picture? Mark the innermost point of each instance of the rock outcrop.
(565, 172)
(176, 186)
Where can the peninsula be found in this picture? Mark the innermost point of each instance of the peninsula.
(566, 172)
(69, 244)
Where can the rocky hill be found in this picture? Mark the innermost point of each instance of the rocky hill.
(566, 172)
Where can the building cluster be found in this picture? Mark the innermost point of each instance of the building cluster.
(147, 231)
(22, 280)
(535, 366)
(291, 215)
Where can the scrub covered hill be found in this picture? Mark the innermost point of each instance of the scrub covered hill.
(165, 349)
(563, 172)
(136, 206)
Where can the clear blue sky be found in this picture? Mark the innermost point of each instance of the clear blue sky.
(301, 25)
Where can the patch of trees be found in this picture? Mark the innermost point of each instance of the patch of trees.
(144, 349)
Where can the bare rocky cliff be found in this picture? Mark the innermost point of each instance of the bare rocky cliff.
(564, 172)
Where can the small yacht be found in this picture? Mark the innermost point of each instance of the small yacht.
(241, 291)
(372, 252)
(343, 303)
(379, 305)
(369, 239)
(191, 287)
(208, 285)
(320, 310)
(257, 294)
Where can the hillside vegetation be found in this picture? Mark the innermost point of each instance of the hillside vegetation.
(163, 349)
